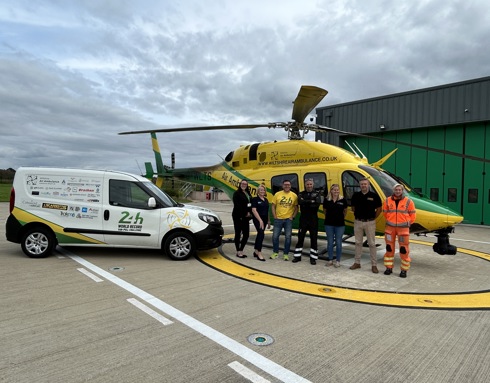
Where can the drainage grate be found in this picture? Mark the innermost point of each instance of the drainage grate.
(116, 268)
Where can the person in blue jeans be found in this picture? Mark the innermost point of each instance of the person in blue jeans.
(335, 208)
(284, 209)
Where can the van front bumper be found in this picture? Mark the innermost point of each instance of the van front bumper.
(209, 238)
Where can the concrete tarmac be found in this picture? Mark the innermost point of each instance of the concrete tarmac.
(128, 315)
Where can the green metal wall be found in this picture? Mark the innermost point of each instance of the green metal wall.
(461, 184)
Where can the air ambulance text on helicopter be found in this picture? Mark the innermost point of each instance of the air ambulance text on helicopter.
(297, 159)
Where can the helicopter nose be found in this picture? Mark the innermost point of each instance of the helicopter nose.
(454, 219)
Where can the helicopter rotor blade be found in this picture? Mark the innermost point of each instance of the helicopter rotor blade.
(199, 128)
(308, 98)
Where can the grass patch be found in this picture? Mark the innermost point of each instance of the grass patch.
(5, 192)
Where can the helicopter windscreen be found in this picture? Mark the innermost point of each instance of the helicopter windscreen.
(403, 182)
(384, 179)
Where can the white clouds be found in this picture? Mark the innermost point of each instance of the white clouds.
(74, 73)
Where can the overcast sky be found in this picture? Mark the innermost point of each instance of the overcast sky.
(75, 73)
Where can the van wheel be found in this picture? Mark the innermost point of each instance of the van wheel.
(179, 246)
(38, 242)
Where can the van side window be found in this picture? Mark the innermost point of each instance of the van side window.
(127, 194)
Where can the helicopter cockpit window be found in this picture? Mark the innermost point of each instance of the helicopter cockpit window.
(276, 182)
(319, 181)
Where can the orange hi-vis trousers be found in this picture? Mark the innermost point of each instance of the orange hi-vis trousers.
(403, 234)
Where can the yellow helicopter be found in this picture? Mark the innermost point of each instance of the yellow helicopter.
(297, 160)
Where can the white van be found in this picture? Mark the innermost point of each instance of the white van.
(50, 206)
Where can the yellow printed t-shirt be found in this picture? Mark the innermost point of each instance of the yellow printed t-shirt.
(285, 204)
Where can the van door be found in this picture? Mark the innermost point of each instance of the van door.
(128, 221)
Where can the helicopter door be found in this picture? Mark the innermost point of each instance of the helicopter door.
(350, 184)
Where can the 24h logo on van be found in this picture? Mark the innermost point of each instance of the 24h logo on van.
(178, 218)
(128, 222)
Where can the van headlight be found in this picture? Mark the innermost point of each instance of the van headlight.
(208, 218)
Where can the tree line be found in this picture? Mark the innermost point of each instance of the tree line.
(7, 175)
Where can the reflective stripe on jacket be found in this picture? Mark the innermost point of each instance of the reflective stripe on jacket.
(401, 215)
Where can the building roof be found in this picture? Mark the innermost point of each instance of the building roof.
(456, 103)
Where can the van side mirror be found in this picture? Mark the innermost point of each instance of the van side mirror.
(152, 203)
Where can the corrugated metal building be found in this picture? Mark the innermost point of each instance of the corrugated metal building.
(452, 119)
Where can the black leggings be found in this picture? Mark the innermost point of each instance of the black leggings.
(260, 233)
(242, 229)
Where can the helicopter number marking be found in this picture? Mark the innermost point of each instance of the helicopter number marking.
(201, 176)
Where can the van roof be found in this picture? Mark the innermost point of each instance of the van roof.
(74, 171)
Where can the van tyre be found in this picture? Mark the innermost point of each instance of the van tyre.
(38, 242)
(179, 246)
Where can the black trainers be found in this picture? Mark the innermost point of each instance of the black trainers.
(403, 274)
(296, 259)
(388, 271)
(313, 261)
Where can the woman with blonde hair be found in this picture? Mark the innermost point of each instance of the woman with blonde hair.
(335, 208)
(260, 216)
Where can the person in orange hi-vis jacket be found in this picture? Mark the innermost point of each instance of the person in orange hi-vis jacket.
(399, 212)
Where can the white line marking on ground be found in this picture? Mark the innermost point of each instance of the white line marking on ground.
(150, 312)
(90, 275)
(455, 239)
(267, 365)
(247, 373)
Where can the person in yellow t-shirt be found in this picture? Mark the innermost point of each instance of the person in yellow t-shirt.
(284, 209)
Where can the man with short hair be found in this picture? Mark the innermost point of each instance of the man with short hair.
(284, 209)
(399, 212)
(366, 206)
(309, 200)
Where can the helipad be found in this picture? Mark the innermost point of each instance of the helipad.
(456, 300)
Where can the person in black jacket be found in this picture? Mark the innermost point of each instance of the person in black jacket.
(309, 200)
(241, 214)
(335, 208)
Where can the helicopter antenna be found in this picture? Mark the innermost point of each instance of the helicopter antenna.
(363, 156)
(352, 149)
(138, 166)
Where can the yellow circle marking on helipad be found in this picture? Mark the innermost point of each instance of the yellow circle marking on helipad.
(477, 300)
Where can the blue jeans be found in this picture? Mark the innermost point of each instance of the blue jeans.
(279, 224)
(334, 235)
